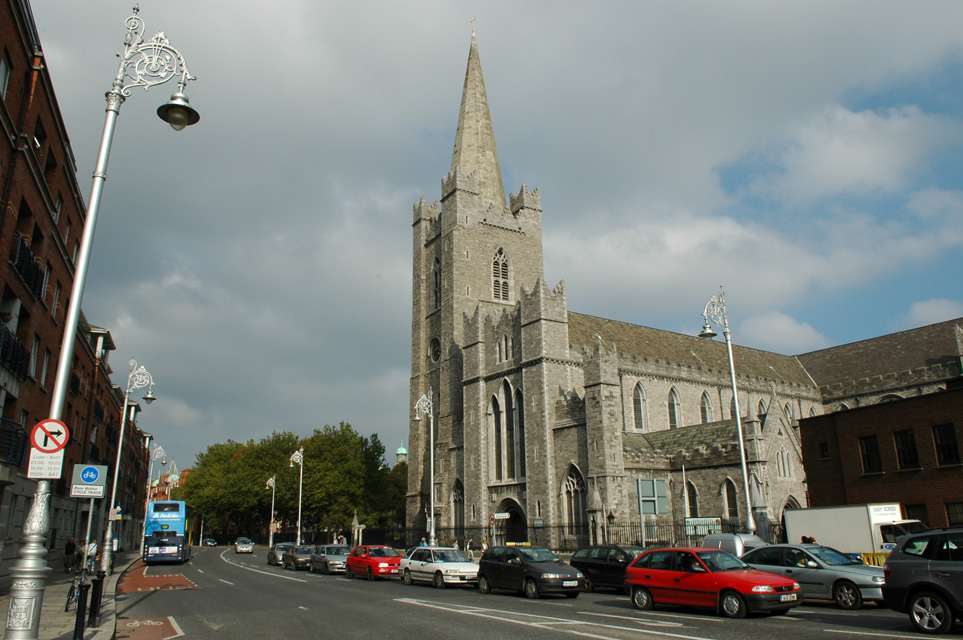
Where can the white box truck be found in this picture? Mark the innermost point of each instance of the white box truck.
(853, 528)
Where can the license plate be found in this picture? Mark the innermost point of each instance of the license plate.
(394, 571)
(789, 597)
(570, 583)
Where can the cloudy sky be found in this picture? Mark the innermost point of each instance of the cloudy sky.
(807, 155)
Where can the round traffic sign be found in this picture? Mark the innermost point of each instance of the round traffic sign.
(49, 436)
(491, 519)
(89, 475)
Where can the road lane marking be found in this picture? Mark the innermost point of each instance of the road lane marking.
(657, 623)
(544, 622)
(869, 633)
(266, 573)
(658, 614)
(226, 581)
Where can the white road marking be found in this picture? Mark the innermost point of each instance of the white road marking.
(226, 581)
(266, 573)
(658, 614)
(178, 631)
(543, 622)
(869, 633)
(640, 620)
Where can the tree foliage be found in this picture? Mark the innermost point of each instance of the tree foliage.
(344, 473)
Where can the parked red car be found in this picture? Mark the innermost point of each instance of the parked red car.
(373, 561)
(710, 578)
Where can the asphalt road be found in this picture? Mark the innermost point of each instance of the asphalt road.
(240, 596)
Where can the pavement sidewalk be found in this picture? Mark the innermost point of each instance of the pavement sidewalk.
(56, 624)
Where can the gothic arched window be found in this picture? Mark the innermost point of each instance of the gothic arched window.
(705, 408)
(458, 507)
(434, 292)
(674, 409)
(692, 497)
(732, 500)
(507, 426)
(501, 287)
(519, 406)
(638, 405)
(573, 502)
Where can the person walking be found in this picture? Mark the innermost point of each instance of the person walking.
(468, 549)
(70, 555)
(484, 546)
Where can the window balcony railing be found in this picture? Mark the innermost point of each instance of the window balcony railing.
(14, 441)
(13, 355)
(26, 265)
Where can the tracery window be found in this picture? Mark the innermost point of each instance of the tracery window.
(705, 408)
(574, 502)
(501, 287)
(638, 405)
(674, 409)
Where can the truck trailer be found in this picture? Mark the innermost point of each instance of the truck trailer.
(853, 528)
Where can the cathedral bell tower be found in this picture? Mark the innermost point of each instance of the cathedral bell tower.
(471, 256)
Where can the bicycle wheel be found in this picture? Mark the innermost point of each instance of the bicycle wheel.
(72, 595)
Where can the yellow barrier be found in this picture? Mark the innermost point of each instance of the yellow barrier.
(875, 559)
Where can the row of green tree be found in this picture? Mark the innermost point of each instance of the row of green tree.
(344, 473)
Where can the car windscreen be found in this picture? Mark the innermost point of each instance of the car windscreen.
(243, 541)
(831, 556)
(538, 555)
(719, 560)
(303, 550)
(335, 551)
(384, 552)
(450, 555)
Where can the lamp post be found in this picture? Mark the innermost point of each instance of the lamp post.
(716, 311)
(298, 456)
(271, 483)
(143, 64)
(157, 454)
(427, 407)
(138, 378)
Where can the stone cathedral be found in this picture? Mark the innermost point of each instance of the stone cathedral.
(558, 420)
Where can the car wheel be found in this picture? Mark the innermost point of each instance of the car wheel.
(439, 580)
(311, 568)
(483, 584)
(406, 577)
(930, 613)
(847, 596)
(589, 587)
(531, 589)
(326, 570)
(732, 605)
(370, 574)
(347, 572)
(641, 598)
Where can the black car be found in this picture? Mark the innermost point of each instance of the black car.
(297, 557)
(535, 571)
(604, 565)
(924, 577)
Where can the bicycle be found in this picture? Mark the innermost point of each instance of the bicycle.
(74, 594)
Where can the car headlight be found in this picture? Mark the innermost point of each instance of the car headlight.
(762, 588)
(795, 585)
(879, 579)
(382, 564)
(551, 576)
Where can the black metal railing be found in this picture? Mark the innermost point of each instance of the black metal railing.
(14, 441)
(13, 355)
(26, 265)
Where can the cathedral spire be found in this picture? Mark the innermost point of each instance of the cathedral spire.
(475, 138)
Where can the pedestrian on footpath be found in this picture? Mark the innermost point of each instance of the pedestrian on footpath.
(70, 555)
(468, 549)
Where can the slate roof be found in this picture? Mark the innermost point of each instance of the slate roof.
(722, 433)
(936, 344)
(678, 348)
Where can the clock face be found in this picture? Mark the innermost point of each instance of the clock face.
(435, 349)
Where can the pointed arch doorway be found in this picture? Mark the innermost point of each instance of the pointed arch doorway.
(514, 528)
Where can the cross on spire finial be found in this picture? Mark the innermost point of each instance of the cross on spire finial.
(473, 26)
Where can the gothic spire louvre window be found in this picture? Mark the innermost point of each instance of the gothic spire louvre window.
(500, 280)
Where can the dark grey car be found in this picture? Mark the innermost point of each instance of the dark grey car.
(274, 553)
(822, 572)
(535, 571)
(924, 577)
(329, 558)
(604, 565)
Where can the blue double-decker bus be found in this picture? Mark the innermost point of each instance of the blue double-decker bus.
(165, 533)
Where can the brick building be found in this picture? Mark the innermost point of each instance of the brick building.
(558, 418)
(905, 450)
(42, 214)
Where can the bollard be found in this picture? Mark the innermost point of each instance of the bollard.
(81, 611)
(95, 596)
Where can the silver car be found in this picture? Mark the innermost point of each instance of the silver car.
(329, 558)
(822, 572)
(243, 545)
(440, 566)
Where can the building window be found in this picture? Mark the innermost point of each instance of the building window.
(692, 500)
(732, 408)
(917, 512)
(501, 289)
(944, 437)
(507, 423)
(906, 454)
(655, 499)
(673, 409)
(788, 411)
(573, 501)
(761, 409)
(732, 500)
(46, 363)
(458, 508)
(4, 73)
(434, 292)
(705, 408)
(869, 451)
(519, 407)
(954, 514)
(823, 450)
(638, 405)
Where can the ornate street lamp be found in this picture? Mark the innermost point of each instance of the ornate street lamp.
(138, 378)
(143, 64)
(427, 407)
(298, 457)
(716, 311)
(157, 454)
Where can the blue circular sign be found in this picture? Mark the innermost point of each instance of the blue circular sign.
(89, 474)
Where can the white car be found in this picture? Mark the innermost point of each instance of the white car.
(440, 566)
(243, 545)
